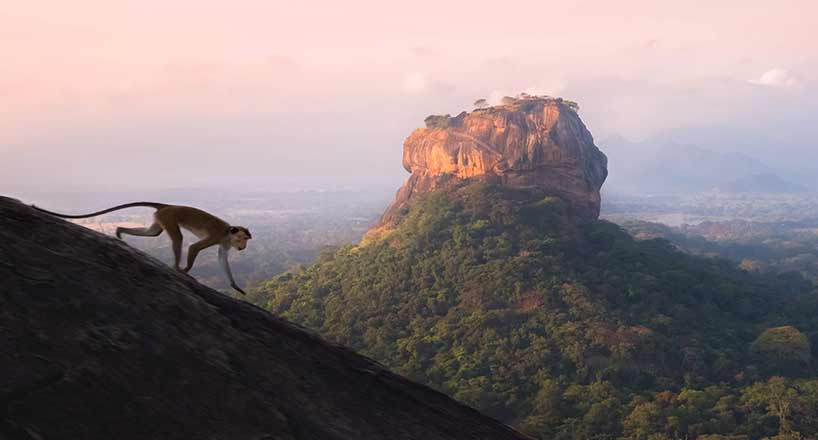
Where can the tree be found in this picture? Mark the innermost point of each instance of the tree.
(547, 401)
(777, 397)
(437, 121)
(571, 105)
(481, 103)
(783, 350)
(643, 420)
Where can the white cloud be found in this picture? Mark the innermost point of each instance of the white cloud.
(415, 83)
(777, 77)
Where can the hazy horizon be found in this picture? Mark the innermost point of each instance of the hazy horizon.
(143, 95)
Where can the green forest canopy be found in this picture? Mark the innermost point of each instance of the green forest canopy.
(566, 328)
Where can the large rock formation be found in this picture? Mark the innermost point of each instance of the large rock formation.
(531, 141)
(99, 341)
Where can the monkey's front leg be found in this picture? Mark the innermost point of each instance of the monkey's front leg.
(223, 250)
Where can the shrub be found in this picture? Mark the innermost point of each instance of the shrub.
(437, 121)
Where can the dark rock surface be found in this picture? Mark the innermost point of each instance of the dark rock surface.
(99, 341)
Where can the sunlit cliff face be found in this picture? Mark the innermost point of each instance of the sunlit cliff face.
(532, 142)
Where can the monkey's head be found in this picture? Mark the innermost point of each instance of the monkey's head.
(239, 236)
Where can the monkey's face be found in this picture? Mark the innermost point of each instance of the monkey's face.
(239, 236)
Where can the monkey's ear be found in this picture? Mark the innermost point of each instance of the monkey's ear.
(234, 230)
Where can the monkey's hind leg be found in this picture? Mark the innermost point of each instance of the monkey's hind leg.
(151, 231)
(176, 242)
(197, 247)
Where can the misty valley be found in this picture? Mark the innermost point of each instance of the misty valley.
(759, 231)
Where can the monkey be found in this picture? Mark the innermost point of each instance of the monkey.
(210, 230)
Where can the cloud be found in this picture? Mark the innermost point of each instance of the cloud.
(415, 83)
(777, 77)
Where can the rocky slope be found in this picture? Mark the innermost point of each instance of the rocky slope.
(528, 142)
(100, 341)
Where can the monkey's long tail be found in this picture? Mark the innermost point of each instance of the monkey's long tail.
(105, 211)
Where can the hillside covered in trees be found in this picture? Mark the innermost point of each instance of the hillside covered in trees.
(566, 327)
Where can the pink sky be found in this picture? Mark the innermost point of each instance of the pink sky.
(170, 93)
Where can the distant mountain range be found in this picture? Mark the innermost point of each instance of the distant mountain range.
(761, 183)
(668, 167)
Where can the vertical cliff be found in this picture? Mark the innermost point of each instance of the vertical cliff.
(531, 141)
